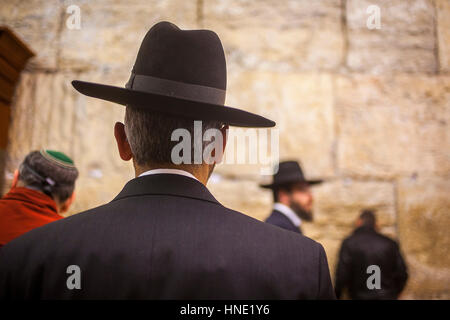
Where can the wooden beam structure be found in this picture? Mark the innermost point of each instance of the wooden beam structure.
(14, 54)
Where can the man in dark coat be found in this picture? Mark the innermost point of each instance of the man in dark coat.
(366, 255)
(165, 236)
(292, 196)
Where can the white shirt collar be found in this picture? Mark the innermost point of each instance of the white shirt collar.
(288, 212)
(168, 171)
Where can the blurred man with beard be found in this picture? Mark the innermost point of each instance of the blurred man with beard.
(292, 197)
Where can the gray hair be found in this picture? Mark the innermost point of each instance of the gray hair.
(35, 167)
(149, 135)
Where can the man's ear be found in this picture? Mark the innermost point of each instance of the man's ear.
(284, 197)
(15, 179)
(66, 205)
(224, 133)
(122, 143)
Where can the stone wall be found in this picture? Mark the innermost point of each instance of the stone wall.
(366, 110)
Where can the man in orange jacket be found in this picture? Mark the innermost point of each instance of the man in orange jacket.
(42, 187)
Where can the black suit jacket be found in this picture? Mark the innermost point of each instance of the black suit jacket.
(164, 237)
(367, 247)
(279, 219)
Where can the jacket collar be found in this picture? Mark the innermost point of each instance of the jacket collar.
(288, 213)
(166, 184)
(364, 229)
(169, 171)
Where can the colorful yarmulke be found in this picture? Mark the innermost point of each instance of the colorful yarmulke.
(58, 158)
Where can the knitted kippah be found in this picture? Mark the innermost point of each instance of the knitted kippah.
(58, 158)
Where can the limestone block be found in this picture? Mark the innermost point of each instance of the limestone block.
(423, 222)
(278, 35)
(37, 23)
(405, 41)
(22, 118)
(111, 33)
(424, 219)
(393, 126)
(443, 33)
(426, 281)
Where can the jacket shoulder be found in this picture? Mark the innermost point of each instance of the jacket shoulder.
(389, 241)
(276, 242)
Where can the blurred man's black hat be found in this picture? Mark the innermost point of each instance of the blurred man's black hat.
(180, 73)
(289, 172)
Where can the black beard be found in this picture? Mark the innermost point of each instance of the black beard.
(306, 215)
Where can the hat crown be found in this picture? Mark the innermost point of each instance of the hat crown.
(181, 73)
(289, 170)
(187, 56)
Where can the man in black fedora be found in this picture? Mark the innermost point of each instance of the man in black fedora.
(165, 236)
(292, 196)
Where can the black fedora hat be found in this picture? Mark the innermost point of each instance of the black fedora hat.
(180, 73)
(289, 172)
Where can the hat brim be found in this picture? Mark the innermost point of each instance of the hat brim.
(172, 105)
(274, 185)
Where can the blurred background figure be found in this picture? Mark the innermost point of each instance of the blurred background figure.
(292, 197)
(42, 187)
(366, 247)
